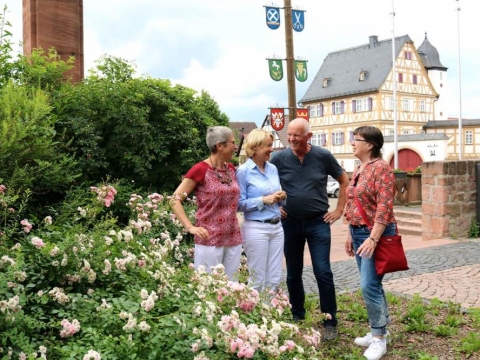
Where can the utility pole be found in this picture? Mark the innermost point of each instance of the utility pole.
(460, 130)
(292, 96)
(395, 116)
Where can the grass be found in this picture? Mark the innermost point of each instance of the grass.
(420, 330)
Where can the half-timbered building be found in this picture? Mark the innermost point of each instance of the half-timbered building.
(355, 87)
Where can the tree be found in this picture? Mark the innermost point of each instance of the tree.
(31, 158)
(142, 129)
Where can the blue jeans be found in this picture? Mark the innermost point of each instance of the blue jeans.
(371, 283)
(318, 236)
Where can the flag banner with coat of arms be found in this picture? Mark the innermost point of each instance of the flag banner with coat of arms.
(303, 113)
(301, 70)
(273, 17)
(298, 20)
(275, 67)
(277, 118)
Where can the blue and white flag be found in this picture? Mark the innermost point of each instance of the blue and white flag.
(273, 17)
(298, 20)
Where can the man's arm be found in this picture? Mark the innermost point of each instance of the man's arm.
(342, 192)
(336, 214)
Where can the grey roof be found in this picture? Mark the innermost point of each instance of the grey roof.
(416, 137)
(433, 124)
(242, 126)
(343, 69)
(429, 55)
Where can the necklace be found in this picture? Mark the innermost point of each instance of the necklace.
(224, 179)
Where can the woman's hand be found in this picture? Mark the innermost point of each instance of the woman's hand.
(274, 198)
(280, 195)
(367, 248)
(199, 231)
(269, 199)
(349, 247)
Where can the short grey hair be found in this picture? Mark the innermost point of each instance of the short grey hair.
(217, 134)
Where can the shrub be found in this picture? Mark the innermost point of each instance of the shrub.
(82, 286)
(30, 157)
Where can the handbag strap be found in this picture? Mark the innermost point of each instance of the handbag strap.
(364, 216)
(362, 212)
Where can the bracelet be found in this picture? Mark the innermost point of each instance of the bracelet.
(373, 240)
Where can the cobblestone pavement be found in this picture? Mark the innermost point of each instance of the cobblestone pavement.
(448, 272)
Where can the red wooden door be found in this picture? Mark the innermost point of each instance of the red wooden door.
(407, 160)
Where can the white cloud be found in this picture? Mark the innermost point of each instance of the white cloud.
(221, 46)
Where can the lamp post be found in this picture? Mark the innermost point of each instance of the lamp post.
(394, 68)
(460, 131)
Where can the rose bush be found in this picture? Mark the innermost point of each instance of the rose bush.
(83, 287)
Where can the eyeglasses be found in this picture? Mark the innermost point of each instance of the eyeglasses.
(355, 140)
(229, 142)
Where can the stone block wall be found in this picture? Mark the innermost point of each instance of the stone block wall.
(448, 198)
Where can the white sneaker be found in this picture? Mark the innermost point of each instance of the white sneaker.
(376, 350)
(367, 339)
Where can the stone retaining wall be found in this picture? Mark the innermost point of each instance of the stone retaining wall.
(448, 198)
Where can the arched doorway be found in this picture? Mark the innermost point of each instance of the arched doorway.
(407, 160)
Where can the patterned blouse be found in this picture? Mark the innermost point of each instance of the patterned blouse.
(375, 188)
(216, 204)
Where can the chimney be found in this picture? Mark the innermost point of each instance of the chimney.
(373, 40)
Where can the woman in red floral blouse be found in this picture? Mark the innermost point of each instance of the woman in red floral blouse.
(373, 184)
(216, 231)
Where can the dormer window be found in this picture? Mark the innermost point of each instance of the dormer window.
(325, 82)
(363, 76)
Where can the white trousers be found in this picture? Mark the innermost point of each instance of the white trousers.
(263, 245)
(209, 256)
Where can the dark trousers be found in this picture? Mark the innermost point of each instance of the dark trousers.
(318, 236)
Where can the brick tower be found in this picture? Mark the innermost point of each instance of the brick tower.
(57, 24)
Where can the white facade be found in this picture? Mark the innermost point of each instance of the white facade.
(438, 79)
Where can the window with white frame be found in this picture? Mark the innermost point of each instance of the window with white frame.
(337, 107)
(389, 103)
(423, 106)
(361, 104)
(337, 138)
(391, 131)
(407, 104)
(468, 137)
(316, 110)
(312, 111)
(316, 140)
(405, 132)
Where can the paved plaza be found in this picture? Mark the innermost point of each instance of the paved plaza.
(446, 269)
(449, 272)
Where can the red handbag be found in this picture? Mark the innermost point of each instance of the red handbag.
(389, 253)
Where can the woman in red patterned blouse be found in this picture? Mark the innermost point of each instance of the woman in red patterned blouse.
(216, 231)
(373, 184)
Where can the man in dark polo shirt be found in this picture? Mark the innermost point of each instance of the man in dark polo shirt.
(304, 170)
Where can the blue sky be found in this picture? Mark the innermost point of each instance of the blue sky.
(220, 46)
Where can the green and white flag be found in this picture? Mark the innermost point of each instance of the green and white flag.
(276, 69)
(301, 70)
